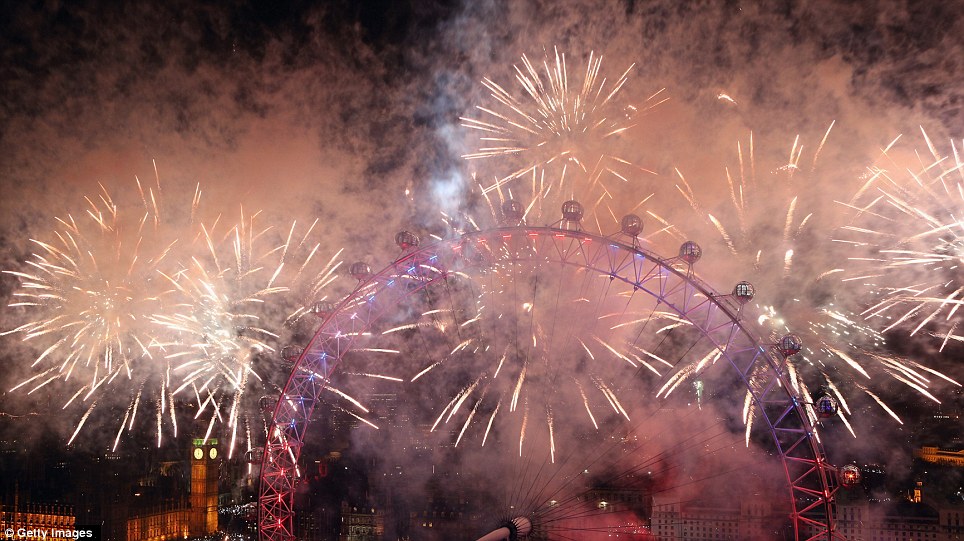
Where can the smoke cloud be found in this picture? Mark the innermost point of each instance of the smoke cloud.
(351, 115)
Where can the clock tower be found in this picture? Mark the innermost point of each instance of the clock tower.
(205, 466)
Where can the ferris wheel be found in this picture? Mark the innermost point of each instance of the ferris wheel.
(519, 333)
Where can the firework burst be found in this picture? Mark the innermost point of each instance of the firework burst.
(908, 220)
(559, 130)
(230, 304)
(769, 228)
(88, 294)
(119, 305)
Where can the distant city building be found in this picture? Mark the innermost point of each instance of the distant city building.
(181, 518)
(160, 523)
(35, 518)
(751, 518)
(361, 523)
(124, 504)
(617, 511)
(901, 521)
(940, 456)
(445, 515)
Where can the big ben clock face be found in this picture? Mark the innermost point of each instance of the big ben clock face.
(198, 453)
(213, 453)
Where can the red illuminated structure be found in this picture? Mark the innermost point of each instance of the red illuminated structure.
(849, 476)
(811, 483)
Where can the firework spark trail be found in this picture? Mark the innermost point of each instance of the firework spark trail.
(522, 429)
(488, 427)
(585, 401)
(908, 217)
(883, 405)
(843, 402)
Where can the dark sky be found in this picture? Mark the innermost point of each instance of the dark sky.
(335, 109)
(359, 77)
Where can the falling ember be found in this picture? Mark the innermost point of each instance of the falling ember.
(376, 376)
(850, 362)
(615, 352)
(444, 411)
(585, 402)
(843, 403)
(675, 380)
(653, 356)
(467, 422)
(462, 397)
(840, 398)
(80, 424)
(522, 430)
(426, 370)
(120, 429)
(160, 417)
(722, 96)
(359, 417)
(488, 427)
(518, 388)
(749, 428)
(709, 358)
(611, 397)
(747, 402)
(882, 404)
(552, 438)
(347, 397)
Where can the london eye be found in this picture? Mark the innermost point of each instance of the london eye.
(536, 343)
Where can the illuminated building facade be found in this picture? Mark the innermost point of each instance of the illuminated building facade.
(160, 524)
(36, 517)
(619, 511)
(752, 518)
(181, 515)
(361, 524)
(905, 521)
(180, 518)
(205, 469)
(936, 455)
(133, 496)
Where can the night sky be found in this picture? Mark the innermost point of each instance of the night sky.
(349, 112)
